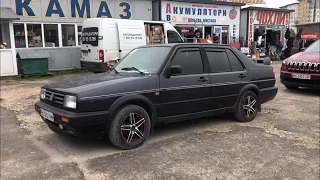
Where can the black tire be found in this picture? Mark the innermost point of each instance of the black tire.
(291, 87)
(120, 132)
(241, 113)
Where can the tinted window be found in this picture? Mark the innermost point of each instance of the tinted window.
(190, 61)
(90, 36)
(173, 37)
(218, 61)
(234, 61)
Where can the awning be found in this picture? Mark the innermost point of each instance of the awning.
(7, 13)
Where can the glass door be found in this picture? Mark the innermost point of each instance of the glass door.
(220, 34)
(8, 61)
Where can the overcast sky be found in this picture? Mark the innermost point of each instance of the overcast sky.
(277, 3)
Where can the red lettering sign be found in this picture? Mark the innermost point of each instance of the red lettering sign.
(269, 17)
(168, 9)
(309, 36)
(251, 30)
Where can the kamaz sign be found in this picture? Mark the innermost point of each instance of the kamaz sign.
(73, 8)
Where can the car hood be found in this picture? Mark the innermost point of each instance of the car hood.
(88, 82)
(305, 57)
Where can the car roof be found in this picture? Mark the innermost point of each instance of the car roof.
(172, 45)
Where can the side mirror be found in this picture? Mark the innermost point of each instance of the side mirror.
(302, 49)
(267, 61)
(176, 69)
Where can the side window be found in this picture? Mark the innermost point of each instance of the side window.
(218, 61)
(236, 65)
(173, 37)
(189, 60)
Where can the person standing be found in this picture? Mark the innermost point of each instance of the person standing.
(289, 42)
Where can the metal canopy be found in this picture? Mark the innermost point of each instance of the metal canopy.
(7, 13)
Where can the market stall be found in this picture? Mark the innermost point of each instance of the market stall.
(262, 30)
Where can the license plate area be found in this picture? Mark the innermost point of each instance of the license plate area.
(47, 115)
(84, 52)
(301, 76)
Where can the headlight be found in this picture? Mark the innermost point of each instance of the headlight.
(43, 94)
(284, 66)
(70, 102)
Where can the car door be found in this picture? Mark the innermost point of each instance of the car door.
(188, 92)
(228, 75)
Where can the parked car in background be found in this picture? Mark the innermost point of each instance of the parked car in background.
(158, 84)
(302, 69)
(106, 40)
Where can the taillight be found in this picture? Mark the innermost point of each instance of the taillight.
(101, 55)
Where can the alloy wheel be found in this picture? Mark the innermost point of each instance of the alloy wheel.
(133, 128)
(249, 106)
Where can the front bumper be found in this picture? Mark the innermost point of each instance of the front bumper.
(80, 124)
(286, 79)
(267, 94)
(94, 66)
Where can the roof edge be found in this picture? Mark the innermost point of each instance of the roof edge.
(312, 23)
(210, 2)
(267, 9)
(289, 4)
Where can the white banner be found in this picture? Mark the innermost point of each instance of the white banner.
(203, 14)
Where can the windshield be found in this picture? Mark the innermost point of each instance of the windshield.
(314, 48)
(146, 60)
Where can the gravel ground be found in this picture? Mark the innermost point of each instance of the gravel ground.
(281, 143)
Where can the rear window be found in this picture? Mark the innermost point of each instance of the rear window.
(90, 36)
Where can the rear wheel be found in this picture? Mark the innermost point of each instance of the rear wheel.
(291, 87)
(246, 109)
(130, 127)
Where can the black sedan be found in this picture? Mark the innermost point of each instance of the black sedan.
(157, 84)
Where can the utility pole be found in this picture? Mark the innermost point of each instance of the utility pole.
(314, 10)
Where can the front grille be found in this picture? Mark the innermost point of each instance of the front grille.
(54, 97)
(304, 67)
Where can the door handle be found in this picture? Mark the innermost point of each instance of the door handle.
(242, 76)
(203, 79)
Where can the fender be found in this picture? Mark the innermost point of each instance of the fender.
(251, 87)
(130, 98)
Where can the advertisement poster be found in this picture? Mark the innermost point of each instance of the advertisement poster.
(202, 15)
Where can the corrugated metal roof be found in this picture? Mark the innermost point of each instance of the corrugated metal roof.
(7, 13)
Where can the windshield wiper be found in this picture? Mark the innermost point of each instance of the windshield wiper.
(132, 68)
(115, 71)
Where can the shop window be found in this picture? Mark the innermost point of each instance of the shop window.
(79, 35)
(4, 36)
(68, 35)
(34, 35)
(51, 35)
(19, 36)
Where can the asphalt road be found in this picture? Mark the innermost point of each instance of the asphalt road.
(281, 143)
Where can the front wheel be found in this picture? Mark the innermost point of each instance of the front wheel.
(130, 127)
(246, 109)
